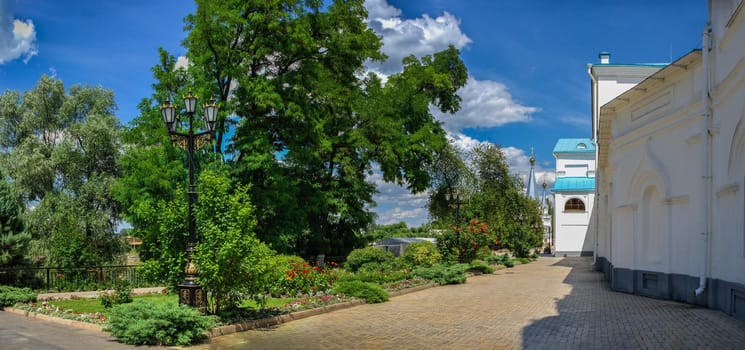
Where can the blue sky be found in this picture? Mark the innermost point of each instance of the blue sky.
(528, 83)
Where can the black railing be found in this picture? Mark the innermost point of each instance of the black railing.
(71, 279)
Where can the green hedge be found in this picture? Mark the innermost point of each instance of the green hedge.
(370, 292)
(369, 255)
(148, 323)
(444, 274)
(10, 296)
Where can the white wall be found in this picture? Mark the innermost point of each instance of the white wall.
(576, 166)
(572, 226)
(653, 177)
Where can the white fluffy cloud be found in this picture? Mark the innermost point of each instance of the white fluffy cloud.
(403, 37)
(181, 62)
(396, 204)
(17, 38)
(486, 104)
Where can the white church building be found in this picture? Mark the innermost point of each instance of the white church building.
(670, 202)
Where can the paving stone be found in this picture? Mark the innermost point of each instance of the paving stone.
(553, 303)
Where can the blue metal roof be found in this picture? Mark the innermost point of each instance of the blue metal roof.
(574, 146)
(574, 184)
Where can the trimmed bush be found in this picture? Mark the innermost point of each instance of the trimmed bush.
(370, 292)
(441, 274)
(122, 294)
(509, 263)
(148, 323)
(480, 266)
(359, 257)
(369, 273)
(424, 254)
(523, 260)
(10, 296)
(498, 259)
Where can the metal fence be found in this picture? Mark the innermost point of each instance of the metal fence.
(70, 279)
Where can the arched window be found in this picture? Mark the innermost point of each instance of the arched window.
(574, 204)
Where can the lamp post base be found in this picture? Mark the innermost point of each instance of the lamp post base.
(191, 294)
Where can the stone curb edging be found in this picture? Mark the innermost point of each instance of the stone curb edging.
(277, 320)
(233, 328)
(73, 323)
(297, 315)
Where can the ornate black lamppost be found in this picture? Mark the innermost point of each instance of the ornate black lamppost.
(189, 291)
(455, 201)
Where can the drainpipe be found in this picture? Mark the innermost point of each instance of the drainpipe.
(595, 130)
(708, 185)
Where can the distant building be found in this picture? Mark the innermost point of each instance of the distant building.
(671, 170)
(574, 195)
(397, 246)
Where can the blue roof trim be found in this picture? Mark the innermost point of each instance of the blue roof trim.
(574, 184)
(574, 146)
(650, 65)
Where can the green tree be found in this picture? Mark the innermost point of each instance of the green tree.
(60, 149)
(233, 264)
(150, 166)
(309, 127)
(499, 200)
(450, 175)
(13, 238)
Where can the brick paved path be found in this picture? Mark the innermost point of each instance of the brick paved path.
(554, 303)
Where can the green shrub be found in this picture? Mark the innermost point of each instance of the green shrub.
(480, 266)
(372, 272)
(359, 257)
(533, 256)
(501, 259)
(441, 274)
(148, 323)
(509, 263)
(466, 242)
(523, 260)
(424, 254)
(370, 292)
(122, 294)
(10, 296)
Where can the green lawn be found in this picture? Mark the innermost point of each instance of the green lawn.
(85, 305)
(91, 305)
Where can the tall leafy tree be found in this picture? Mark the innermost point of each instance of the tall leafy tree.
(60, 151)
(499, 201)
(310, 125)
(488, 193)
(13, 238)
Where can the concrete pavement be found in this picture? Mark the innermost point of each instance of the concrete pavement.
(19, 332)
(553, 303)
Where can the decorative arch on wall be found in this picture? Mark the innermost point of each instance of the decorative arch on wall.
(649, 172)
(736, 163)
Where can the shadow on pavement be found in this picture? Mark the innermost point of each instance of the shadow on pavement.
(592, 316)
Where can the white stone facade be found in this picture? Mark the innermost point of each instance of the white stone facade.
(671, 175)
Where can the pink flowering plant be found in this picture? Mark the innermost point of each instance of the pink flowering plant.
(313, 301)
